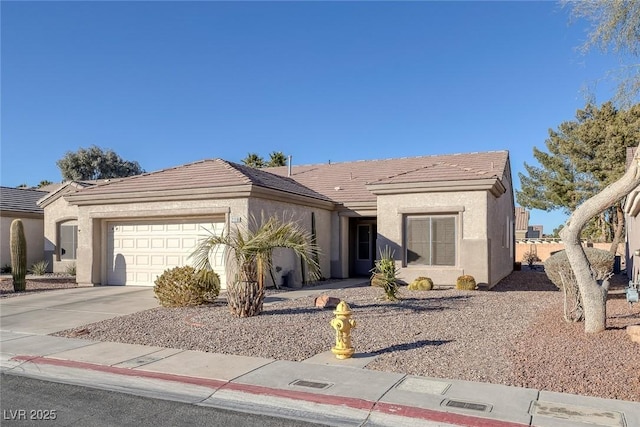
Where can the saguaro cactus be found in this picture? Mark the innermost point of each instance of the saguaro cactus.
(18, 245)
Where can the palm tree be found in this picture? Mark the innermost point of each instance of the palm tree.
(277, 158)
(252, 249)
(253, 160)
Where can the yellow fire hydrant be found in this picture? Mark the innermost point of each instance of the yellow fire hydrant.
(343, 324)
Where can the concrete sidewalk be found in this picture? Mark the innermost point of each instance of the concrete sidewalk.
(321, 389)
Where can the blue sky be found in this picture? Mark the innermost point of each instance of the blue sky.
(167, 83)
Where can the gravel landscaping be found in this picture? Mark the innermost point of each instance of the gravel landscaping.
(48, 282)
(513, 334)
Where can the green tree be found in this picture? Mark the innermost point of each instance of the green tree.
(614, 24)
(594, 294)
(556, 231)
(253, 160)
(252, 247)
(584, 156)
(615, 28)
(277, 158)
(95, 163)
(44, 182)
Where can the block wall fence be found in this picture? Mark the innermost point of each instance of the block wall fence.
(545, 249)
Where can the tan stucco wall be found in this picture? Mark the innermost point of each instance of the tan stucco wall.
(632, 245)
(302, 214)
(54, 213)
(33, 232)
(339, 246)
(500, 231)
(471, 207)
(92, 227)
(545, 249)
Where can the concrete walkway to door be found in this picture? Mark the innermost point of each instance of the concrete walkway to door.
(49, 312)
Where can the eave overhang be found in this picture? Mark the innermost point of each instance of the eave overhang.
(493, 185)
(9, 213)
(369, 208)
(208, 193)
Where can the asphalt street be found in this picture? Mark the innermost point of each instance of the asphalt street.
(31, 402)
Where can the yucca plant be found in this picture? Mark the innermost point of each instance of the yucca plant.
(71, 269)
(39, 268)
(384, 274)
(251, 247)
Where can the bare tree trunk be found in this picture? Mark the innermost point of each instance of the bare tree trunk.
(619, 229)
(594, 296)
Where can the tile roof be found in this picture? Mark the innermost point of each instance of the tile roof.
(522, 219)
(346, 182)
(21, 200)
(336, 182)
(210, 173)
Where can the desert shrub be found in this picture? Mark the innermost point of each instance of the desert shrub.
(557, 265)
(466, 282)
(39, 268)
(5, 269)
(421, 284)
(71, 269)
(185, 286)
(384, 274)
(559, 271)
(530, 258)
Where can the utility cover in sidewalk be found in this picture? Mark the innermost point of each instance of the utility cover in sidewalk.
(423, 385)
(311, 384)
(582, 414)
(473, 406)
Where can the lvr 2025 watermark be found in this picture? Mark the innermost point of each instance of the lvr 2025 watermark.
(29, 414)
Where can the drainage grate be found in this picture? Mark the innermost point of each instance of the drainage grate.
(311, 384)
(468, 405)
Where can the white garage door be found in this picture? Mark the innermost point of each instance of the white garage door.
(139, 251)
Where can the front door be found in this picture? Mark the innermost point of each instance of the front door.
(364, 249)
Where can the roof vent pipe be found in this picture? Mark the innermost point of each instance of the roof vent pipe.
(289, 166)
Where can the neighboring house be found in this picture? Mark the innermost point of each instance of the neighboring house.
(534, 232)
(523, 229)
(522, 223)
(20, 203)
(443, 216)
(632, 222)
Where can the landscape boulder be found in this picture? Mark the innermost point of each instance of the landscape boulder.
(325, 301)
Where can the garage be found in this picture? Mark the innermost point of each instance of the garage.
(139, 251)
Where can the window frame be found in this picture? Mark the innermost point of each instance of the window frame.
(359, 242)
(62, 237)
(455, 216)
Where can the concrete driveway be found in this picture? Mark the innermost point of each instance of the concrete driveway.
(47, 312)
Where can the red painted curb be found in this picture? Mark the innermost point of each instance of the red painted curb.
(443, 417)
(351, 402)
(206, 382)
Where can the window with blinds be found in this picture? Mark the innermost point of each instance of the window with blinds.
(430, 240)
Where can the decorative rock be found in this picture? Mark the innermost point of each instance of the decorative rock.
(634, 333)
(325, 301)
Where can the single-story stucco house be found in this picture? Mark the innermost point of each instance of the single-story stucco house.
(443, 216)
(21, 203)
(632, 225)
